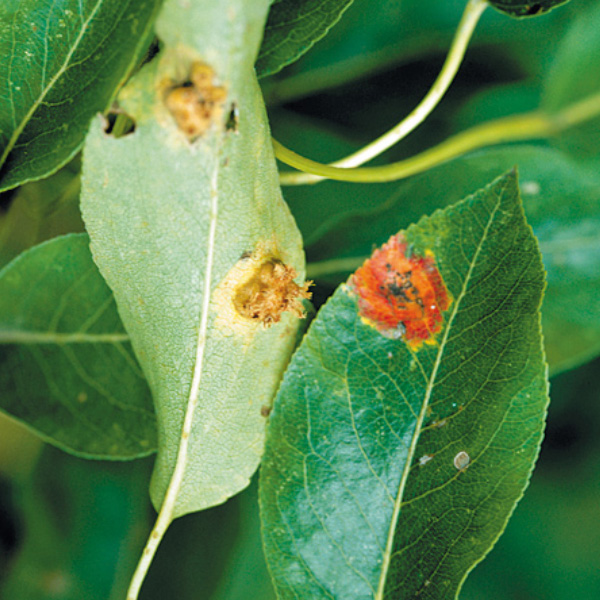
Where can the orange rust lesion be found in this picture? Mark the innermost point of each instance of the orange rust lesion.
(402, 294)
(197, 103)
(270, 292)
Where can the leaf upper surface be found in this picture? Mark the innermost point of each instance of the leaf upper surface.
(389, 471)
(292, 28)
(562, 203)
(60, 63)
(67, 369)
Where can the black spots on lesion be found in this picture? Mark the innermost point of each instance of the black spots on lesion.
(401, 287)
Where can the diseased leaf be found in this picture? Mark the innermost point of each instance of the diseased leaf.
(60, 63)
(525, 8)
(393, 463)
(562, 203)
(293, 27)
(187, 224)
(66, 366)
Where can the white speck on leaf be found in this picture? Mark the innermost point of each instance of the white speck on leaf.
(462, 460)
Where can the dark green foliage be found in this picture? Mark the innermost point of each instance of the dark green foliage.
(519, 8)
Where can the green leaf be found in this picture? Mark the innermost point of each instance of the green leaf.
(525, 8)
(562, 203)
(83, 522)
(575, 75)
(67, 370)
(398, 34)
(293, 27)
(177, 226)
(392, 468)
(533, 559)
(39, 211)
(61, 63)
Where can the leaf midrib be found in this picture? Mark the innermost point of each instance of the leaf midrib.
(386, 562)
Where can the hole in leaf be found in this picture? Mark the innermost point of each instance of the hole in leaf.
(119, 124)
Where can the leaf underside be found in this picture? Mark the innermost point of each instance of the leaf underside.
(174, 222)
(390, 471)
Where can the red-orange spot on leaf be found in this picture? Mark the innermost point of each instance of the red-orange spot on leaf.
(401, 294)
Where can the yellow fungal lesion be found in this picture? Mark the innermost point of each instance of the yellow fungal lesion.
(197, 103)
(270, 292)
(257, 292)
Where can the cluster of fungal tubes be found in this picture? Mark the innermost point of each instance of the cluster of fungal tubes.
(197, 103)
(270, 292)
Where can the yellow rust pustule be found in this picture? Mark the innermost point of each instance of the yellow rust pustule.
(270, 292)
(198, 103)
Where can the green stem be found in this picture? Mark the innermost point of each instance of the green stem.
(515, 128)
(464, 32)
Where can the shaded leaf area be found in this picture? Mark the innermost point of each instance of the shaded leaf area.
(177, 224)
(67, 369)
(80, 524)
(60, 63)
(562, 203)
(575, 75)
(390, 471)
(292, 28)
(550, 548)
(39, 211)
(524, 8)
(215, 554)
(396, 34)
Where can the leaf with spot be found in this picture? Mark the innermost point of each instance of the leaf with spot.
(294, 27)
(60, 63)
(67, 370)
(179, 224)
(392, 465)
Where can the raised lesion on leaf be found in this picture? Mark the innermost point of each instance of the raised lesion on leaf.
(402, 294)
(271, 291)
(258, 290)
(196, 103)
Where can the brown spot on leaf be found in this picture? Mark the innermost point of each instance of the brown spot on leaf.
(196, 104)
(270, 292)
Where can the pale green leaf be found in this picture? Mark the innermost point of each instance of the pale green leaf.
(391, 469)
(66, 366)
(171, 221)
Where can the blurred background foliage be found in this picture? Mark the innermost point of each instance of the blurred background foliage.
(73, 529)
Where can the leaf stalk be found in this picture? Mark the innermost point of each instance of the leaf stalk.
(462, 37)
(527, 126)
